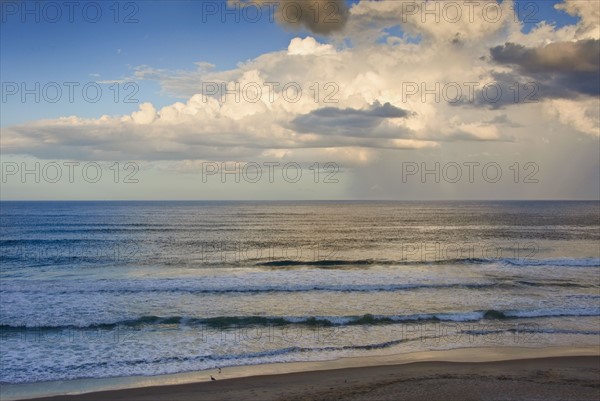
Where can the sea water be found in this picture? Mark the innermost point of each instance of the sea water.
(113, 289)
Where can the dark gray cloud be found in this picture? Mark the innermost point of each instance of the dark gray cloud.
(351, 122)
(560, 70)
(582, 56)
(319, 16)
(372, 128)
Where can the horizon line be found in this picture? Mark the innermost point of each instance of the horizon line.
(300, 200)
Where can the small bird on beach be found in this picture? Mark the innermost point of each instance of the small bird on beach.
(213, 379)
(219, 370)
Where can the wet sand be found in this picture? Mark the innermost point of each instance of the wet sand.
(548, 379)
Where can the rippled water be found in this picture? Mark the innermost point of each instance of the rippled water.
(99, 289)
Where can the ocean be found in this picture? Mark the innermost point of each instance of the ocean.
(114, 289)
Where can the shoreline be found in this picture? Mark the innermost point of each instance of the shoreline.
(243, 381)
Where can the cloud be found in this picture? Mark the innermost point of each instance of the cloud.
(434, 21)
(589, 12)
(503, 120)
(349, 121)
(353, 103)
(308, 46)
(478, 132)
(561, 69)
(582, 56)
(582, 115)
(322, 17)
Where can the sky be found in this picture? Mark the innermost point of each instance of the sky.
(289, 99)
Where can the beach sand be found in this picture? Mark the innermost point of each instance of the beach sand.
(549, 378)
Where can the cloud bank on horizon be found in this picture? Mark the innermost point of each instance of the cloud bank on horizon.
(367, 78)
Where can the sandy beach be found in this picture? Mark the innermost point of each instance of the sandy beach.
(544, 378)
